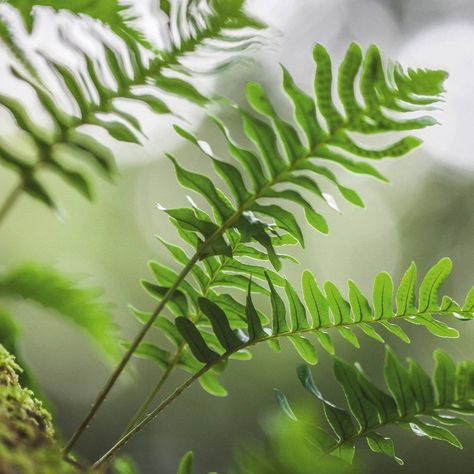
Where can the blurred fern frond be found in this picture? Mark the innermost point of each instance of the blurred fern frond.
(426, 406)
(49, 288)
(106, 71)
(113, 13)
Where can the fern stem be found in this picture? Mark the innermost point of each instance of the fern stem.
(165, 403)
(123, 363)
(154, 393)
(10, 201)
(153, 414)
(176, 356)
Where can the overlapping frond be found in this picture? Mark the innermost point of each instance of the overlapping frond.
(216, 326)
(234, 243)
(112, 72)
(427, 406)
(282, 165)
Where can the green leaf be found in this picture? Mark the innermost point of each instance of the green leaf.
(183, 89)
(361, 407)
(146, 350)
(396, 330)
(254, 325)
(117, 130)
(406, 291)
(382, 296)
(186, 465)
(444, 378)
(349, 336)
(438, 328)
(220, 324)
(435, 432)
(204, 186)
(359, 304)
(279, 323)
(305, 349)
(397, 379)
(323, 86)
(284, 405)
(305, 110)
(211, 385)
(422, 386)
(298, 317)
(287, 135)
(340, 308)
(380, 444)
(315, 301)
(431, 283)
(283, 219)
(196, 342)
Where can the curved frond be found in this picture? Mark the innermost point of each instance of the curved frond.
(427, 406)
(96, 88)
(234, 244)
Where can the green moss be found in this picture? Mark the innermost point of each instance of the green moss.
(27, 443)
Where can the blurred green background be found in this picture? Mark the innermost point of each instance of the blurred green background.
(426, 213)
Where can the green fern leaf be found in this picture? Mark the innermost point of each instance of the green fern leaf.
(410, 403)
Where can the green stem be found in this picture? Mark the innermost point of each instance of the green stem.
(176, 356)
(10, 201)
(165, 403)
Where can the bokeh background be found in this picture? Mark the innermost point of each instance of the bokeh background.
(426, 213)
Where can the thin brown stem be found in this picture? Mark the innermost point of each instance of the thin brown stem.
(153, 414)
(122, 364)
(153, 394)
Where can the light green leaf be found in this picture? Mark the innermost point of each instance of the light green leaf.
(382, 296)
(431, 283)
(284, 405)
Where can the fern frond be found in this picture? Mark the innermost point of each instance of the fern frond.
(215, 330)
(113, 13)
(427, 406)
(244, 212)
(62, 294)
(94, 101)
(235, 233)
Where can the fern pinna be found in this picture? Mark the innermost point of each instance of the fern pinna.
(209, 325)
(93, 100)
(427, 406)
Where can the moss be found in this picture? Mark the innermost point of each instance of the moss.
(27, 443)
